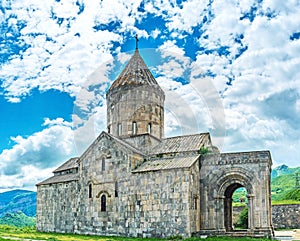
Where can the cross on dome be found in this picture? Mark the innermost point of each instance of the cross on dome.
(136, 42)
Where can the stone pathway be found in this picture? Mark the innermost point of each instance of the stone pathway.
(288, 234)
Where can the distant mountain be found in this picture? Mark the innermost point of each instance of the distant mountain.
(17, 219)
(283, 170)
(283, 182)
(18, 200)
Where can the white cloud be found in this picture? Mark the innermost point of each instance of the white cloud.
(56, 122)
(169, 48)
(27, 178)
(89, 128)
(65, 56)
(260, 104)
(298, 106)
(192, 107)
(187, 16)
(154, 34)
(40, 153)
(59, 50)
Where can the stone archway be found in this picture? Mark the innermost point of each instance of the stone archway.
(220, 176)
(225, 183)
(228, 208)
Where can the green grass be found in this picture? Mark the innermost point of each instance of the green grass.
(238, 204)
(30, 233)
(282, 185)
(294, 194)
(284, 202)
(283, 188)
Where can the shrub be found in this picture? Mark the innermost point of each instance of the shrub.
(243, 219)
(203, 150)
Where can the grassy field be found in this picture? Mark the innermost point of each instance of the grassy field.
(9, 233)
(284, 202)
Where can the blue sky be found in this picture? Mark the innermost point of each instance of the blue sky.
(227, 67)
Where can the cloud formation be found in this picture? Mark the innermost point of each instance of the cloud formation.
(32, 157)
(231, 63)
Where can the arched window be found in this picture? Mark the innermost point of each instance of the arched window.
(134, 128)
(90, 190)
(119, 129)
(103, 203)
(103, 164)
(149, 128)
(116, 189)
(195, 202)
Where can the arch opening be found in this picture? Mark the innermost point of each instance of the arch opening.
(235, 208)
(103, 203)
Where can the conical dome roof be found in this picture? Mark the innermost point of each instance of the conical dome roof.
(135, 102)
(135, 73)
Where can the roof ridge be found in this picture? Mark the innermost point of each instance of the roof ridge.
(182, 144)
(167, 163)
(245, 152)
(60, 179)
(63, 167)
(198, 134)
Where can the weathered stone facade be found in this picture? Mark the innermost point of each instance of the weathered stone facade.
(250, 170)
(286, 216)
(132, 181)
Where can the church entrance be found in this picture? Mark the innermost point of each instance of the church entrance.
(221, 177)
(235, 208)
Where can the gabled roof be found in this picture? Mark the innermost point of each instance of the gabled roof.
(121, 142)
(125, 144)
(60, 179)
(181, 144)
(135, 73)
(74, 162)
(167, 163)
(70, 164)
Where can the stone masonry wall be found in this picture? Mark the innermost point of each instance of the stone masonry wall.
(152, 204)
(283, 216)
(164, 201)
(91, 218)
(220, 175)
(286, 216)
(147, 204)
(194, 193)
(57, 207)
(142, 104)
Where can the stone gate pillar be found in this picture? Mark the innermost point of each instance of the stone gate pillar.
(250, 211)
(228, 213)
(220, 201)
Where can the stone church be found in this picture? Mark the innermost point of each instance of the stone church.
(132, 181)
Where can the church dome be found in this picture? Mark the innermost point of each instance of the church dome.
(135, 73)
(135, 102)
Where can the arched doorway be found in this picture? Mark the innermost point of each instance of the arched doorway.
(240, 209)
(229, 207)
(220, 176)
